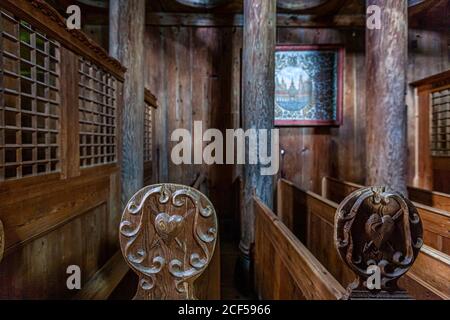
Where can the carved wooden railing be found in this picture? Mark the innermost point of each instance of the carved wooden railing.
(168, 235)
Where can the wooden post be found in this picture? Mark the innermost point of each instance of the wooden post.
(127, 20)
(386, 61)
(258, 113)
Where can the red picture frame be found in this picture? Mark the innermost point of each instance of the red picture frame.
(340, 51)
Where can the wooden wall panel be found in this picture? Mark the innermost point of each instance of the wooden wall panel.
(194, 73)
(304, 162)
(37, 270)
(428, 55)
(54, 224)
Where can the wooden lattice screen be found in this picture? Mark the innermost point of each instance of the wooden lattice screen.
(440, 123)
(29, 100)
(97, 115)
(148, 133)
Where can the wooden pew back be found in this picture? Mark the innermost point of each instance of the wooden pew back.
(429, 198)
(284, 267)
(168, 235)
(433, 199)
(317, 214)
(436, 222)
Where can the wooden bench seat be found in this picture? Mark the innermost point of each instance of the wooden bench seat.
(105, 280)
(284, 267)
(436, 222)
(311, 218)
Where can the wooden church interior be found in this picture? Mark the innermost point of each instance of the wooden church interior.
(86, 118)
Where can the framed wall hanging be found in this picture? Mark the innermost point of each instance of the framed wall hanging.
(309, 85)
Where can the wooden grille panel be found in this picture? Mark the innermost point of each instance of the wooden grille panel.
(148, 133)
(97, 115)
(440, 123)
(29, 100)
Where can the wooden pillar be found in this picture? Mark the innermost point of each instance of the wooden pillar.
(127, 21)
(258, 113)
(386, 61)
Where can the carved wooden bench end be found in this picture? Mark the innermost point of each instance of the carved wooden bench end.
(168, 235)
(378, 234)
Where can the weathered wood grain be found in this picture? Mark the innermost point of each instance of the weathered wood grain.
(386, 143)
(127, 45)
(70, 128)
(258, 87)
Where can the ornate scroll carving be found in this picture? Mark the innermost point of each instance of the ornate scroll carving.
(2, 240)
(167, 235)
(377, 230)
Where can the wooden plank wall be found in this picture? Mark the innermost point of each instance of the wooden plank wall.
(195, 75)
(54, 224)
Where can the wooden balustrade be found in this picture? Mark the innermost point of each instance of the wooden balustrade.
(60, 157)
(436, 222)
(312, 219)
(284, 267)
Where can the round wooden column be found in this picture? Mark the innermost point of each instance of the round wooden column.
(386, 61)
(258, 113)
(127, 21)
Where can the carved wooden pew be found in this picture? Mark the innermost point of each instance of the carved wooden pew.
(284, 267)
(436, 222)
(438, 200)
(168, 235)
(311, 217)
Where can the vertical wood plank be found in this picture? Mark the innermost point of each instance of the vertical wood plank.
(69, 137)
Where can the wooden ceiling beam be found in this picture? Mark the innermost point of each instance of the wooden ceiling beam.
(418, 6)
(318, 7)
(203, 4)
(237, 20)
